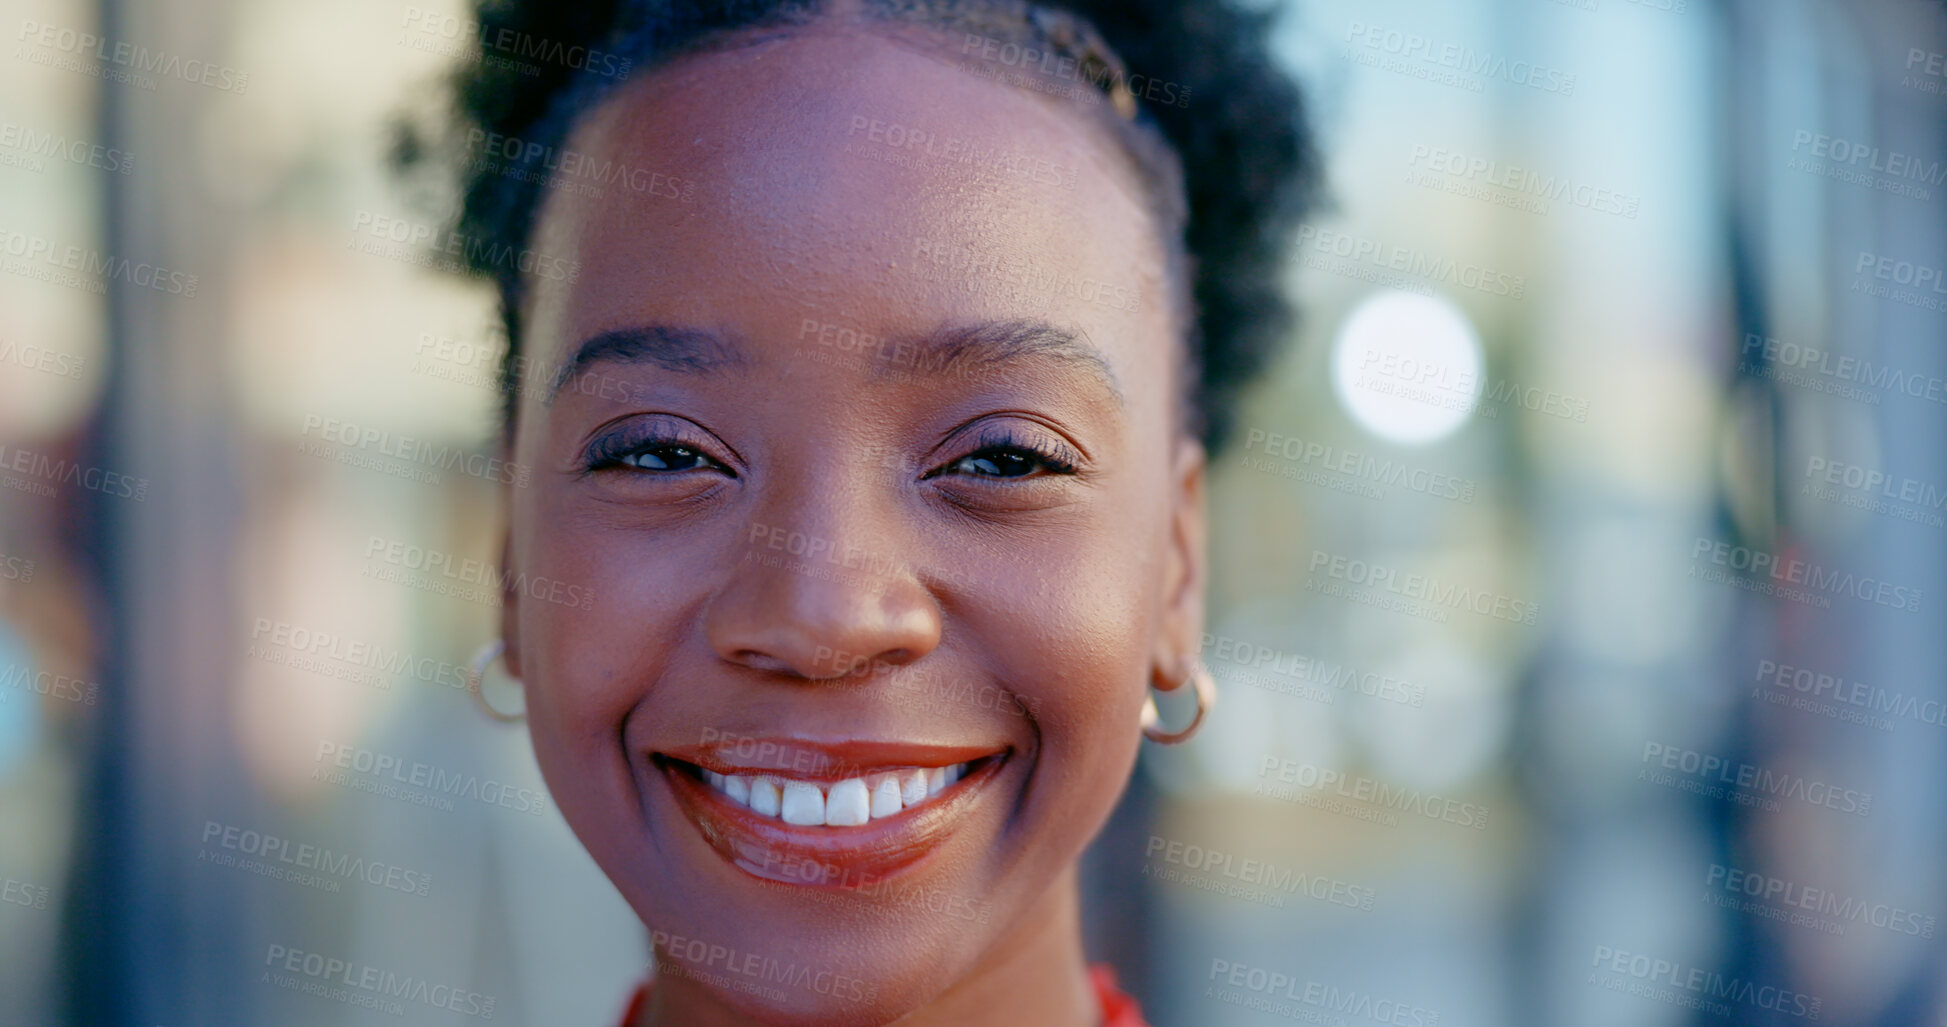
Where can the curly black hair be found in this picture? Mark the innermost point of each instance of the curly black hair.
(1219, 135)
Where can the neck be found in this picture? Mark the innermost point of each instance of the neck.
(1035, 973)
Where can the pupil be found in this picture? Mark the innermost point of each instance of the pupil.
(1003, 465)
(665, 458)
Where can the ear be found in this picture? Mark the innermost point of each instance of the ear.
(510, 609)
(1186, 565)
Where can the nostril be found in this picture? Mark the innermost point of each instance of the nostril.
(757, 659)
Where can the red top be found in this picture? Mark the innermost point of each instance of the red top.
(1118, 1010)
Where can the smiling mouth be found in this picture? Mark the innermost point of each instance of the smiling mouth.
(848, 820)
(847, 803)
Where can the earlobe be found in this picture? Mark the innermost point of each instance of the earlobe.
(1181, 633)
(510, 598)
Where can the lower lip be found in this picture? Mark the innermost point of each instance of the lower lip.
(836, 858)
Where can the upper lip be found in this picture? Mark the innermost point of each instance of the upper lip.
(822, 761)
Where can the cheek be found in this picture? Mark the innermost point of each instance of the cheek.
(1083, 642)
(583, 662)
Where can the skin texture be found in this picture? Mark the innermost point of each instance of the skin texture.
(1062, 590)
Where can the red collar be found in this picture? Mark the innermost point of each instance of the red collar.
(1118, 1009)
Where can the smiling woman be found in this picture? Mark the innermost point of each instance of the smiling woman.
(880, 619)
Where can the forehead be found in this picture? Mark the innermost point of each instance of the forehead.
(845, 176)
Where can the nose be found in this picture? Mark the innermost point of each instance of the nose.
(815, 599)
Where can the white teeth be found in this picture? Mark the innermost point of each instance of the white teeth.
(804, 804)
(885, 796)
(764, 797)
(849, 803)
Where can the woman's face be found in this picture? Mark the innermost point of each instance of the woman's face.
(862, 470)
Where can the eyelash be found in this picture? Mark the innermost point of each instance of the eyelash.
(1054, 458)
(614, 450)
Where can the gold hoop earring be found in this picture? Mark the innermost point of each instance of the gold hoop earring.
(1199, 678)
(478, 671)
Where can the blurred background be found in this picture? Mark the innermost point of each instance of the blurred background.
(1577, 580)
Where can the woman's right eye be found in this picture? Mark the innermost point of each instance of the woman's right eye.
(666, 457)
(655, 450)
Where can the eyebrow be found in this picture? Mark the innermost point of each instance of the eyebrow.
(958, 349)
(947, 351)
(676, 349)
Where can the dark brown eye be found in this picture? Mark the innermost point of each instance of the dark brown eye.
(1002, 462)
(665, 458)
(654, 446)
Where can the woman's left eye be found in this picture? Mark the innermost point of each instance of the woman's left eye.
(652, 449)
(665, 458)
(1007, 462)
